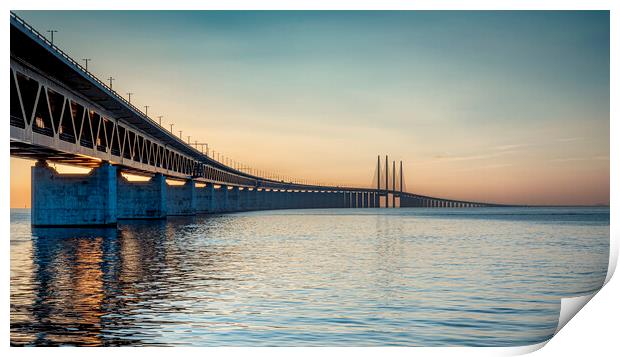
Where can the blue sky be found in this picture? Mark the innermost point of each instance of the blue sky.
(492, 105)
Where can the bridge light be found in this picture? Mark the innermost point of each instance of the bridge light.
(128, 93)
(86, 62)
(52, 33)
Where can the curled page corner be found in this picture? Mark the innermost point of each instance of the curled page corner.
(613, 259)
(569, 307)
(522, 350)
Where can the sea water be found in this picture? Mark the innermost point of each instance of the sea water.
(320, 277)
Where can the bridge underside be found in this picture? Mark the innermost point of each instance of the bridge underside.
(32, 152)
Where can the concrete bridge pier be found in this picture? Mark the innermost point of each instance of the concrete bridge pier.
(282, 199)
(251, 202)
(205, 199)
(256, 198)
(233, 199)
(73, 199)
(261, 197)
(327, 199)
(290, 199)
(221, 199)
(273, 199)
(287, 199)
(182, 199)
(253, 198)
(264, 199)
(276, 198)
(244, 199)
(142, 200)
(300, 199)
(295, 199)
(305, 200)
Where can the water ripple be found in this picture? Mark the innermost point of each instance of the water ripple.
(413, 277)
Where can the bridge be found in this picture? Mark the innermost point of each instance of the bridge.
(64, 114)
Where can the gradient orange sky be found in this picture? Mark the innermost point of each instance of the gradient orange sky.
(507, 107)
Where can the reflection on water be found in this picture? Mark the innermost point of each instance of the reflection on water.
(314, 277)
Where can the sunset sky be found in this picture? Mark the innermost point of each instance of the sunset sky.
(507, 107)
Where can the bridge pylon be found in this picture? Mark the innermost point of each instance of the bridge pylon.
(390, 186)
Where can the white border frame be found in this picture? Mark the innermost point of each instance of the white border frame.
(594, 329)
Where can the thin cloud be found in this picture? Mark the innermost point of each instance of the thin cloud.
(565, 140)
(490, 155)
(496, 166)
(483, 167)
(571, 159)
(510, 147)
